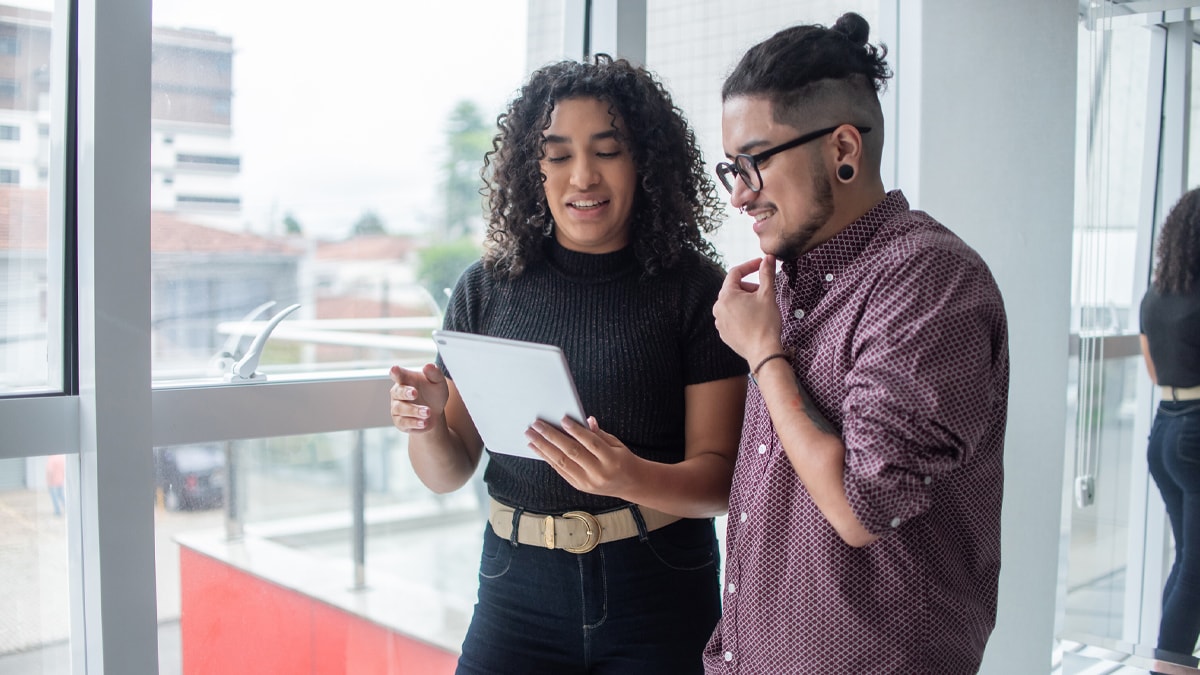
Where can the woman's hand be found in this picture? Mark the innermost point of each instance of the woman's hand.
(418, 398)
(590, 459)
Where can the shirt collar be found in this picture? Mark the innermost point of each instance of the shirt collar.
(836, 254)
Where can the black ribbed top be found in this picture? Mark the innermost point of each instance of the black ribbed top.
(633, 344)
(1171, 324)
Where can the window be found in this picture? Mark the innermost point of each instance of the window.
(288, 195)
(232, 202)
(213, 161)
(10, 176)
(9, 132)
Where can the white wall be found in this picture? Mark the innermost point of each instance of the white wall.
(986, 145)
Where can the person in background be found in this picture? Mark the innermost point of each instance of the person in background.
(602, 558)
(56, 474)
(864, 521)
(1170, 336)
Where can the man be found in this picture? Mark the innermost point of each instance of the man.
(864, 523)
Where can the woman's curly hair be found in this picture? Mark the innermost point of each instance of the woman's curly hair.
(676, 202)
(1178, 268)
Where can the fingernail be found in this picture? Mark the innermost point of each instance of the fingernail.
(423, 412)
(420, 424)
(410, 392)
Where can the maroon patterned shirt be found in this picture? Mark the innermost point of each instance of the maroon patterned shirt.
(898, 332)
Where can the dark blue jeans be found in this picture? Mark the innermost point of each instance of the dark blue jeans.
(1174, 457)
(639, 605)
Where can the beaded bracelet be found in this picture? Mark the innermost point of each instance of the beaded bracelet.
(772, 357)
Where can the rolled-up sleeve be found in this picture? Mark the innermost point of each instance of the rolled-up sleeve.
(927, 374)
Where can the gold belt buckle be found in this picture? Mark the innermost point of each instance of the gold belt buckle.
(593, 531)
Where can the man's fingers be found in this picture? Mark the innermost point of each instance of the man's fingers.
(766, 274)
(739, 272)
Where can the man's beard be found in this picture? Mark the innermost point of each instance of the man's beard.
(793, 245)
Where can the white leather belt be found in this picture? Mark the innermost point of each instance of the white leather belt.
(1180, 393)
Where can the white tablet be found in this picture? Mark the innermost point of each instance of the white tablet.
(507, 385)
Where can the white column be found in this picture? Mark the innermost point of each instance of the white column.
(119, 630)
(986, 145)
(619, 29)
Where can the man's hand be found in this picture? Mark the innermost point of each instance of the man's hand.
(418, 398)
(746, 313)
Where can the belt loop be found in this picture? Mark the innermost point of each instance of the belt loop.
(516, 525)
(1174, 395)
(643, 534)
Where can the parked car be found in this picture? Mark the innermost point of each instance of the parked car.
(190, 476)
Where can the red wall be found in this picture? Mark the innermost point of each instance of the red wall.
(233, 622)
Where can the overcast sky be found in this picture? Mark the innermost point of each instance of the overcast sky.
(340, 107)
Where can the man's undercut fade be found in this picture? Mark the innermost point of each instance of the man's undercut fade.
(830, 75)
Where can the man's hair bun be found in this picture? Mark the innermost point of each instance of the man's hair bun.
(854, 27)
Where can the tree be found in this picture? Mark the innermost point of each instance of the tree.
(292, 226)
(468, 138)
(441, 264)
(368, 223)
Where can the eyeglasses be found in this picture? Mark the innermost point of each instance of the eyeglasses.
(746, 166)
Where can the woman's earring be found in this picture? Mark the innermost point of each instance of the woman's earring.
(845, 172)
(548, 227)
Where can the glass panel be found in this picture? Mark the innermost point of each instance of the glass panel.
(35, 614)
(271, 523)
(326, 160)
(1193, 175)
(1114, 70)
(30, 254)
(693, 47)
(1093, 581)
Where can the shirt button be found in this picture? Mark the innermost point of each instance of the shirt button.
(895, 522)
(799, 314)
(762, 449)
(828, 277)
(744, 516)
(728, 656)
(928, 480)
(732, 587)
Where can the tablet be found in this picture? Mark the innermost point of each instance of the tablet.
(506, 385)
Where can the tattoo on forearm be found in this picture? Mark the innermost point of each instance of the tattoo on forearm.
(810, 409)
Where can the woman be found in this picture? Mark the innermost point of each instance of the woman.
(599, 204)
(1170, 318)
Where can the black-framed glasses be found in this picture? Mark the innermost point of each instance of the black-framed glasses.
(746, 166)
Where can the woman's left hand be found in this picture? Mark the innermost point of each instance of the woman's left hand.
(589, 458)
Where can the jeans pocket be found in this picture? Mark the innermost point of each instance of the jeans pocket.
(683, 546)
(1187, 440)
(496, 557)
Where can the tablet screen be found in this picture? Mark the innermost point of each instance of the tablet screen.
(506, 385)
